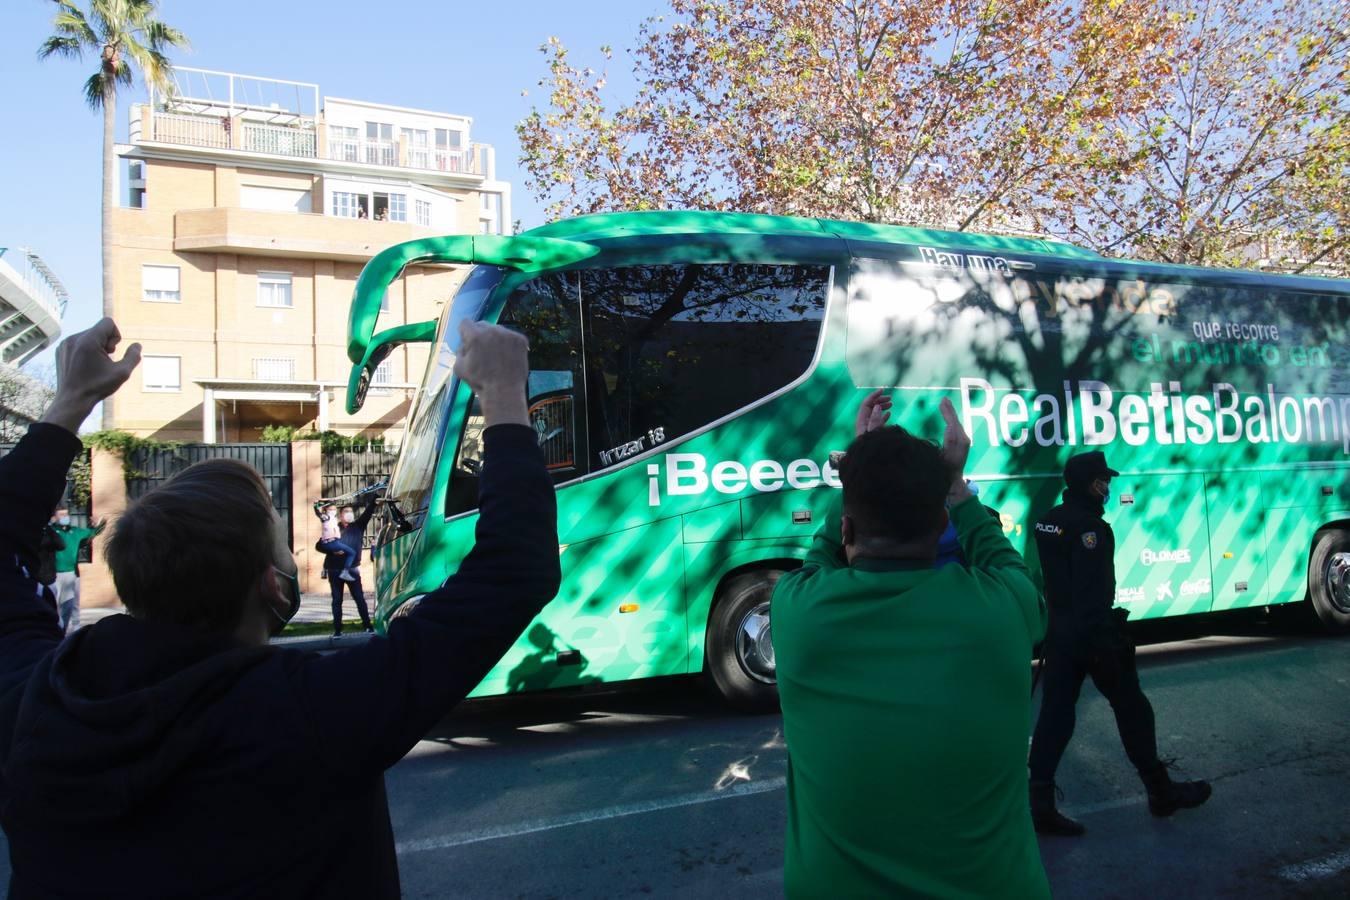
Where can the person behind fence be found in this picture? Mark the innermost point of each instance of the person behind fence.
(905, 686)
(330, 541)
(353, 535)
(68, 566)
(1087, 637)
(171, 751)
(50, 544)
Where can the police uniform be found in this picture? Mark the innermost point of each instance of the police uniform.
(1087, 637)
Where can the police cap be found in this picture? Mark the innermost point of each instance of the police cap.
(1085, 468)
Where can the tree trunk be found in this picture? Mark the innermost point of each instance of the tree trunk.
(109, 202)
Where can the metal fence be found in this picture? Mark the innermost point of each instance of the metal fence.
(81, 515)
(273, 462)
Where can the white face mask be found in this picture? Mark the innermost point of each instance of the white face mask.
(64, 520)
(348, 518)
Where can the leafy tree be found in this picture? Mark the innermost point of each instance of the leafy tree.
(1241, 152)
(125, 35)
(1196, 131)
(953, 112)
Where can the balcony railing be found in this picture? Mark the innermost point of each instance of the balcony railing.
(196, 131)
(301, 140)
(279, 140)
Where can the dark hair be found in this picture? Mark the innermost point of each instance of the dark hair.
(895, 485)
(191, 551)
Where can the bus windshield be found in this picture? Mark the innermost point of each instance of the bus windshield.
(413, 476)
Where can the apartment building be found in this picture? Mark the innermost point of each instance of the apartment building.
(251, 206)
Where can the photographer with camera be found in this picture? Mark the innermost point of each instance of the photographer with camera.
(905, 687)
(351, 533)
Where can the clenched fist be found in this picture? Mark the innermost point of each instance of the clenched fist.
(495, 362)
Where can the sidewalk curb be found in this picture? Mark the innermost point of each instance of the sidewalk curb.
(323, 642)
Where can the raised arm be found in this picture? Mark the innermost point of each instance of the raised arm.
(32, 478)
(404, 683)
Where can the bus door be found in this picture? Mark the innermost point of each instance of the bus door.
(1237, 538)
(1162, 544)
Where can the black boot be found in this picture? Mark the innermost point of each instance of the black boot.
(1166, 796)
(1046, 818)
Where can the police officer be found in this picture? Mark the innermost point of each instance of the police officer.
(1087, 637)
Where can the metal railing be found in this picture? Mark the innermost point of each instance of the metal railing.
(39, 279)
(279, 140)
(273, 368)
(301, 140)
(196, 131)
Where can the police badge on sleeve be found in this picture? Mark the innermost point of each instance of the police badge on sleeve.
(1090, 540)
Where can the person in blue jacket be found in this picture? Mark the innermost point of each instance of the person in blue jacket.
(171, 751)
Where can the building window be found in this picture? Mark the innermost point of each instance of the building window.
(271, 368)
(423, 209)
(398, 207)
(380, 147)
(350, 205)
(159, 284)
(382, 377)
(274, 289)
(449, 146)
(384, 301)
(161, 373)
(418, 155)
(485, 226)
(343, 143)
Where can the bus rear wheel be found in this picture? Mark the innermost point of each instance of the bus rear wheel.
(1329, 580)
(738, 651)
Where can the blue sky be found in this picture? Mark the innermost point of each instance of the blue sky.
(469, 58)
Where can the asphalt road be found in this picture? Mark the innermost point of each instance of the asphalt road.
(658, 791)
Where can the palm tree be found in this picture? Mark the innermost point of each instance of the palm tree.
(126, 35)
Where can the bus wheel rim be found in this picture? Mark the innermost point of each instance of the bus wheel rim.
(754, 644)
(1338, 581)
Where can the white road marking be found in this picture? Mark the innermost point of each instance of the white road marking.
(1317, 868)
(741, 789)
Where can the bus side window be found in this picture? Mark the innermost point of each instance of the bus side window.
(672, 348)
(545, 310)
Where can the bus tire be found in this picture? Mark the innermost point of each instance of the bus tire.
(1329, 580)
(738, 651)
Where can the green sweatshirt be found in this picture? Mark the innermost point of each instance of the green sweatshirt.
(67, 558)
(906, 695)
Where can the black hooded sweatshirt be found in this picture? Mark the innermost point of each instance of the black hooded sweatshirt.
(145, 760)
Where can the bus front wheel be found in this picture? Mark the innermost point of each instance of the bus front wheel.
(1329, 580)
(738, 654)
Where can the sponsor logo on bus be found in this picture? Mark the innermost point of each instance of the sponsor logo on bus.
(1129, 595)
(689, 474)
(1195, 588)
(1096, 414)
(1150, 557)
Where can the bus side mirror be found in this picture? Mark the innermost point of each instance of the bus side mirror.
(381, 345)
(521, 252)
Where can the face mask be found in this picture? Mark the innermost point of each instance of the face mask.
(289, 586)
(348, 518)
(64, 520)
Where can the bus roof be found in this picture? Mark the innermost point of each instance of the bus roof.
(600, 226)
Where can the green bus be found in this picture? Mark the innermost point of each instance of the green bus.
(691, 373)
